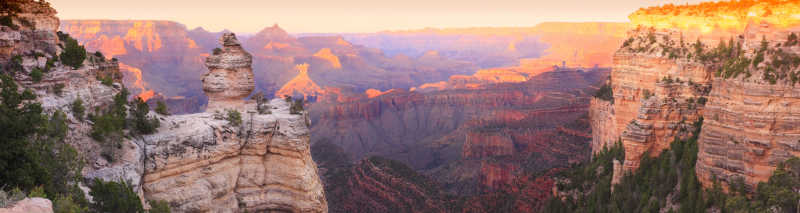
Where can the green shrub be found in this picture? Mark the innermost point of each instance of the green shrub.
(792, 40)
(161, 108)
(74, 54)
(114, 197)
(37, 192)
(65, 204)
(99, 55)
(605, 93)
(234, 118)
(702, 100)
(21, 119)
(111, 122)
(8, 22)
(217, 51)
(106, 80)
(142, 123)
(159, 206)
(15, 65)
(36, 74)
(78, 110)
(58, 88)
(51, 62)
(646, 93)
(33, 153)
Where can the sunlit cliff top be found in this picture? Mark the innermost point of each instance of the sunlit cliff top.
(725, 16)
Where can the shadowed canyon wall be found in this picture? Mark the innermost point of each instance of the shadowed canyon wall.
(472, 142)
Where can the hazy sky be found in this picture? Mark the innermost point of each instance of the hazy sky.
(303, 16)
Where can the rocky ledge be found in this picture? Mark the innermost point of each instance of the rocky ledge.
(204, 163)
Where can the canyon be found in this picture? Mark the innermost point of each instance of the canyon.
(471, 122)
(659, 90)
(478, 144)
(431, 120)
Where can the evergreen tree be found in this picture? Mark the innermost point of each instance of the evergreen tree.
(114, 197)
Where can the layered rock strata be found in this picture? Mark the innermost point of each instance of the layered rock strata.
(230, 76)
(201, 163)
(661, 85)
(604, 127)
(749, 128)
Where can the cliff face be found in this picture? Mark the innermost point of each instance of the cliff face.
(200, 163)
(750, 127)
(649, 111)
(661, 84)
(603, 124)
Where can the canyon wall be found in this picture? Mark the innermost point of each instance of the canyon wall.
(603, 124)
(472, 141)
(649, 113)
(678, 66)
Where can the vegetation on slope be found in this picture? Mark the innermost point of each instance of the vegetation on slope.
(728, 59)
(74, 54)
(669, 183)
(605, 93)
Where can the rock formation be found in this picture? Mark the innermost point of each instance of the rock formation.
(660, 89)
(603, 123)
(230, 76)
(749, 128)
(206, 163)
(30, 205)
(199, 162)
(301, 86)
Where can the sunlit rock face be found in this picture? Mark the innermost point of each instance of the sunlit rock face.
(156, 57)
(649, 114)
(748, 121)
(301, 86)
(719, 17)
(230, 76)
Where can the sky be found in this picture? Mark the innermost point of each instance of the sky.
(353, 16)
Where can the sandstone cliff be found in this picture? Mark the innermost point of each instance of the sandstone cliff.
(200, 163)
(679, 66)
